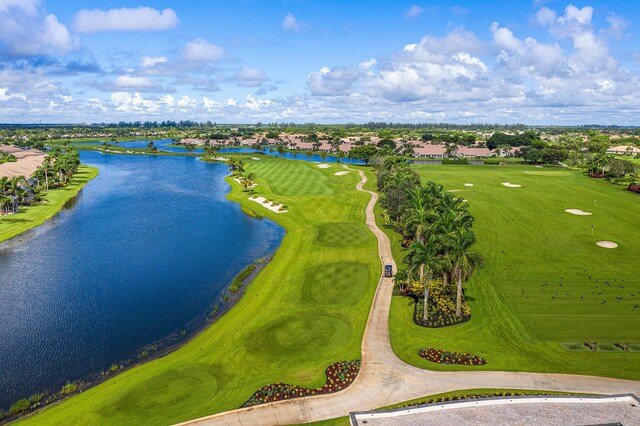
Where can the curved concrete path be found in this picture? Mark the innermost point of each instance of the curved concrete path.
(384, 379)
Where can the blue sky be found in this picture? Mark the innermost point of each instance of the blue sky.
(539, 62)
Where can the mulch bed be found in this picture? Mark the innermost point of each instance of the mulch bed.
(339, 376)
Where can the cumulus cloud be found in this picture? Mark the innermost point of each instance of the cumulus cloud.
(332, 82)
(250, 77)
(124, 19)
(27, 29)
(152, 61)
(201, 51)
(290, 23)
(5, 96)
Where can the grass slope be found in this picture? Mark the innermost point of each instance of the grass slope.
(545, 281)
(32, 216)
(288, 327)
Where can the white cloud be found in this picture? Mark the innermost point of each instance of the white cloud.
(250, 77)
(290, 23)
(26, 29)
(4, 97)
(128, 82)
(414, 11)
(617, 25)
(201, 51)
(124, 19)
(152, 61)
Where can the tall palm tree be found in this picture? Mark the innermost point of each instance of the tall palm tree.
(425, 257)
(464, 261)
(419, 213)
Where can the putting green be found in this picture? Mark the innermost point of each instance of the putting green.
(341, 234)
(335, 283)
(285, 178)
(294, 335)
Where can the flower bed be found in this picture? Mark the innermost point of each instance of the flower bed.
(440, 356)
(442, 313)
(597, 175)
(471, 396)
(634, 188)
(339, 376)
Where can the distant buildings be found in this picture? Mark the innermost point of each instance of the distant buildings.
(623, 150)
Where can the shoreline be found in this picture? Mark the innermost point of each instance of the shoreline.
(219, 306)
(42, 212)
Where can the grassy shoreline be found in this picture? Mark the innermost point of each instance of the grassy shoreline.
(32, 216)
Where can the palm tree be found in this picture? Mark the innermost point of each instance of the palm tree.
(400, 279)
(464, 261)
(280, 150)
(428, 262)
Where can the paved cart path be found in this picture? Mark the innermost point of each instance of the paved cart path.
(384, 379)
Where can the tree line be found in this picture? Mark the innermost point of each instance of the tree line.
(437, 227)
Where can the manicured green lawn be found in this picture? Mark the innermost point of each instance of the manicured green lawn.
(545, 281)
(304, 311)
(32, 216)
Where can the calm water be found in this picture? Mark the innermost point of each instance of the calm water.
(162, 145)
(146, 248)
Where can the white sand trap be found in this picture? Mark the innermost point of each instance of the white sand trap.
(607, 244)
(324, 166)
(539, 167)
(468, 184)
(454, 190)
(240, 183)
(254, 158)
(268, 205)
(340, 173)
(511, 185)
(578, 212)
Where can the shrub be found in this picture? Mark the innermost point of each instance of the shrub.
(339, 376)
(440, 356)
(239, 279)
(69, 388)
(20, 406)
(634, 187)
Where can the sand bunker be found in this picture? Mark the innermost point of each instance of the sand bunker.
(607, 244)
(324, 166)
(468, 184)
(254, 158)
(340, 173)
(578, 212)
(511, 185)
(268, 204)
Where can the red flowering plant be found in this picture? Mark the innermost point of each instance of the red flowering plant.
(440, 356)
(339, 376)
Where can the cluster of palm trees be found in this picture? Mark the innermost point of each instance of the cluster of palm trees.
(13, 192)
(438, 226)
(56, 170)
(247, 179)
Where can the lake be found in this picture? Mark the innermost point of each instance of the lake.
(145, 251)
(165, 145)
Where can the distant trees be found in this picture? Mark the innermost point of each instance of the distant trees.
(523, 139)
(364, 152)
